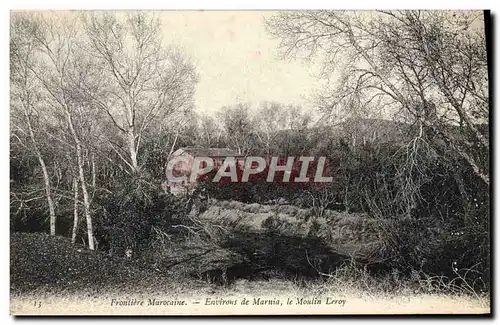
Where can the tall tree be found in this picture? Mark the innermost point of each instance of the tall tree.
(62, 71)
(238, 127)
(427, 66)
(25, 97)
(144, 81)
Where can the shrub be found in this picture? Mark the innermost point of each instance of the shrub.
(135, 213)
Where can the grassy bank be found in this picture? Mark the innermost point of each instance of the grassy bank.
(49, 275)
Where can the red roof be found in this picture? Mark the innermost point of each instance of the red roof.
(209, 152)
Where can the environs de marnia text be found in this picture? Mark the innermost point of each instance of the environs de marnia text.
(228, 302)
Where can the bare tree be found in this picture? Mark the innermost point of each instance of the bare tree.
(209, 132)
(238, 127)
(269, 120)
(61, 72)
(25, 96)
(272, 118)
(427, 66)
(76, 220)
(143, 81)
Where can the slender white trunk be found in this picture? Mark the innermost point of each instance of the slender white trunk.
(86, 201)
(75, 210)
(132, 148)
(48, 194)
(46, 178)
(131, 136)
(80, 162)
(93, 171)
(172, 147)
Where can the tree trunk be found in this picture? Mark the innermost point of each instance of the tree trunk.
(93, 171)
(75, 210)
(46, 178)
(48, 193)
(132, 148)
(86, 200)
(80, 162)
(172, 147)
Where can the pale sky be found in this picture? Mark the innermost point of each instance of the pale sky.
(236, 59)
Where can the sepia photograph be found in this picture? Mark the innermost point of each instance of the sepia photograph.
(272, 162)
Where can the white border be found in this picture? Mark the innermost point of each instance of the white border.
(193, 5)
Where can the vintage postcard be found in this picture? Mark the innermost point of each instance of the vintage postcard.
(298, 162)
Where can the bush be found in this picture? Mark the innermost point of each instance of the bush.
(431, 210)
(135, 213)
